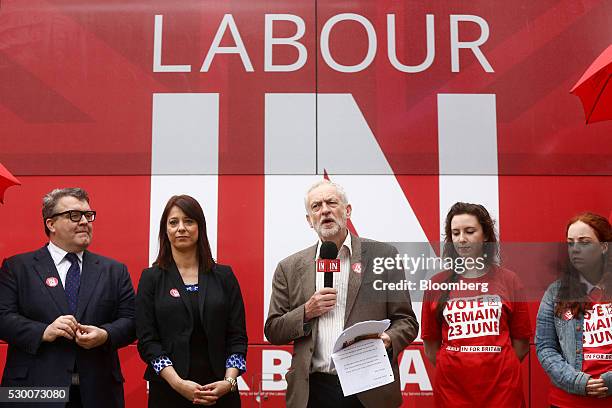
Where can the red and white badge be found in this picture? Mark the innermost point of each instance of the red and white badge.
(568, 315)
(174, 292)
(356, 267)
(51, 282)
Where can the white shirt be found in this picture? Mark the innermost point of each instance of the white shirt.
(331, 324)
(61, 263)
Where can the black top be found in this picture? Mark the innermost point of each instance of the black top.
(199, 363)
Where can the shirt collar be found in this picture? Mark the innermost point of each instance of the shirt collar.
(588, 284)
(58, 254)
(348, 243)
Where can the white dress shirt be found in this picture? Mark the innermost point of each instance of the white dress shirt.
(331, 324)
(61, 263)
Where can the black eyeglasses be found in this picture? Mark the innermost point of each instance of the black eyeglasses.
(76, 215)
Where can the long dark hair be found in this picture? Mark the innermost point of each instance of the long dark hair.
(572, 294)
(490, 249)
(193, 210)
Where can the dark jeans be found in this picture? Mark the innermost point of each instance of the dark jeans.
(325, 392)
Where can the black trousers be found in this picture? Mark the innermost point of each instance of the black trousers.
(324, 391)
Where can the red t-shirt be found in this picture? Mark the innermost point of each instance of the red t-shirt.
(597, 357)
(476, 364)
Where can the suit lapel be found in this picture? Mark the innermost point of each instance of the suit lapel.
(354, 281)
(177, 281)
(45, 268)
(306, 270)
(203, 284)
(90, 275)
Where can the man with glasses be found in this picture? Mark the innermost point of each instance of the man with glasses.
(65, 311)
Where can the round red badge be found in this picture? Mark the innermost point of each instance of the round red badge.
(356, 267)
(568, 315)
(174, 293)
(51, 282)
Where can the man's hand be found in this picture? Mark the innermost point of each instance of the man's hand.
(63, 326)
(386, 339)
(596, 387)
(321, 302)
(89, 337)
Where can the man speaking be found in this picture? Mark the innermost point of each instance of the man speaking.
(311, 315)
(65, 311)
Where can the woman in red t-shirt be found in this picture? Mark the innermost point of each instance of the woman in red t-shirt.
(474, 329)
(574, 326)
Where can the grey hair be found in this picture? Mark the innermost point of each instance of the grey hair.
(325, 182)
(50, 200)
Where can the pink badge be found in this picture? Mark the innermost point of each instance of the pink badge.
(568, 315)
(51, 282)
(356, 267)
(174, 293)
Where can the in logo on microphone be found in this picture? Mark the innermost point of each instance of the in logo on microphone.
(328, 265)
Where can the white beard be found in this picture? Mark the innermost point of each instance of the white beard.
(330, 232)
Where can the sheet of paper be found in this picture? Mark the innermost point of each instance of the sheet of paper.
(362, 366)
(361, 329)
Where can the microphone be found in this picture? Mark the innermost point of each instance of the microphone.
(328, 262)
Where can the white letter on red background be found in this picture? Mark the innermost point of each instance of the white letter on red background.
(157, 50)
(270, 41)
(371, 42)
(392, 52)
(269, 369)
(239, 48)
(472, 45)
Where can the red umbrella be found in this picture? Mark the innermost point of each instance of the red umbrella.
(6, 180)
(595, 90)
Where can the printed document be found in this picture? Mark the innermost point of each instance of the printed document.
(360, 357)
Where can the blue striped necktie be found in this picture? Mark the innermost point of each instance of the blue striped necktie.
(73, 281)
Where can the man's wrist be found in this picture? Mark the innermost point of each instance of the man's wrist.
(46, 337)
(306, 317)
(105, 335)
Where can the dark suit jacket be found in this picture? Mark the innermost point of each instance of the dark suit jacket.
(164, 323)
(294, 284)
(28, 306)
